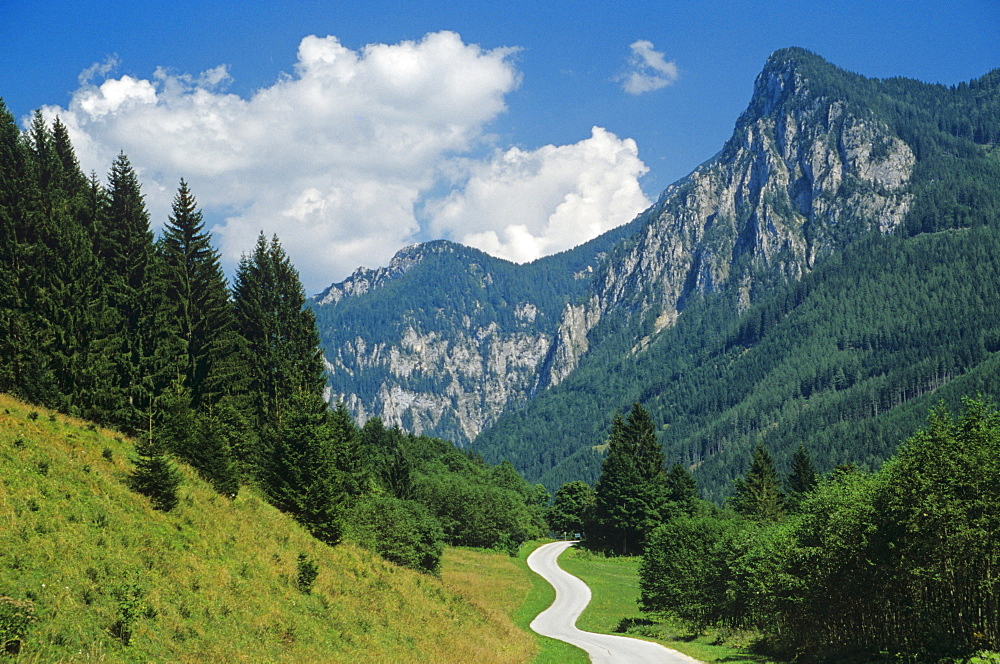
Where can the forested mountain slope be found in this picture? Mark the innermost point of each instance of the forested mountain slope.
(816, 281)
(445, 337)
(790, 273)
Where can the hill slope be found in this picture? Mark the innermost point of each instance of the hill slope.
(828, 176)
(212, 580)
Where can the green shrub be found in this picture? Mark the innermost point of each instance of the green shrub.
(306, 575)
(16, 619)
(401, 531)
(128, 596)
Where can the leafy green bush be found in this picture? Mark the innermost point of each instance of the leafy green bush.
(306, 572)
(128, 596)
(16, 619)
(401, 531)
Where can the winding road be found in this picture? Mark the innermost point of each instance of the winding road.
(572, 596)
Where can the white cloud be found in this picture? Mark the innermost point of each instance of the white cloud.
(649, 69)
(338, 157)
(522, 205)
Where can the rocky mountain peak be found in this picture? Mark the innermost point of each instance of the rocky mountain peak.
(365, 279)
(459, 340)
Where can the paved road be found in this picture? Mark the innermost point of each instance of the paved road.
(572, 596)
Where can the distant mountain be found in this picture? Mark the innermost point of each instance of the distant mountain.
(446, 337)
(778, 293)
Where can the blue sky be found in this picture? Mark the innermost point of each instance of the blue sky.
(508, 126)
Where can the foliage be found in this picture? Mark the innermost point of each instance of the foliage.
(300, 474)
(128, 598)
(306, 571)
(154, 475)
(630, 495)
(16, 619)
(401, 531)
(758, 495)
(903, 560)
(572, 509)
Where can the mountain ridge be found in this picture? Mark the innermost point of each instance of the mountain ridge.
(820, 159)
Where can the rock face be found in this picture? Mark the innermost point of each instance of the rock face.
(803, 173)
(801, 176)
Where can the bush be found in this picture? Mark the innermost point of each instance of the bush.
(307, 571)
(401, 531)
(16, 619)
(128, 596)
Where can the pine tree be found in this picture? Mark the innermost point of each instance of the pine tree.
(758, 494)
(129, 270)
(300, 474)
(199, 311)
(681, 489)
(630, 497)
(802, 479)
(67, 292)
(281, 356)
(347, 451)
(154, 475)
(19, 346)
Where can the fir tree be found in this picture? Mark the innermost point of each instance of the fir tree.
(300, 474)
(630, 492)
(802, 479)
(758, 494)
(199, 311)
(281, 356)
(154, 475)
(126, 250)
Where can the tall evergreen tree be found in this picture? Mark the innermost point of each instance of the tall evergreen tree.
(300, 474)
(802, 478)
(629, 496)
(19, 347)
(67, 292)
(199, 311)
(281, 357)
(758, 494)
(129, 263)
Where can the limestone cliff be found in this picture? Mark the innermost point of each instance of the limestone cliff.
(802, 174)
(445, 338)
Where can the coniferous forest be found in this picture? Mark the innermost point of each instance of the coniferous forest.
(101, 320)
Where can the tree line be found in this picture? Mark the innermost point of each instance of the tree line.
(901, 562)
(102, 320)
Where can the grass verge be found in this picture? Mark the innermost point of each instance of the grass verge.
(614, 609)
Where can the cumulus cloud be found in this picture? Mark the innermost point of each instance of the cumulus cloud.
(522, 205)
(649, 69)
(338, 157)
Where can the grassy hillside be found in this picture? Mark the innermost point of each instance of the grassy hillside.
(212, 580)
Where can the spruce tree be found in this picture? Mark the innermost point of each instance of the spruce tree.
(802, 478)
(129, 269)
(281, 355)
(198, 307)
(154, 475)
(758, 494)
(629, 496)
(18, 344)
(300, 474)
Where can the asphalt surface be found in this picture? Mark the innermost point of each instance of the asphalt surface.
(572, 596)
